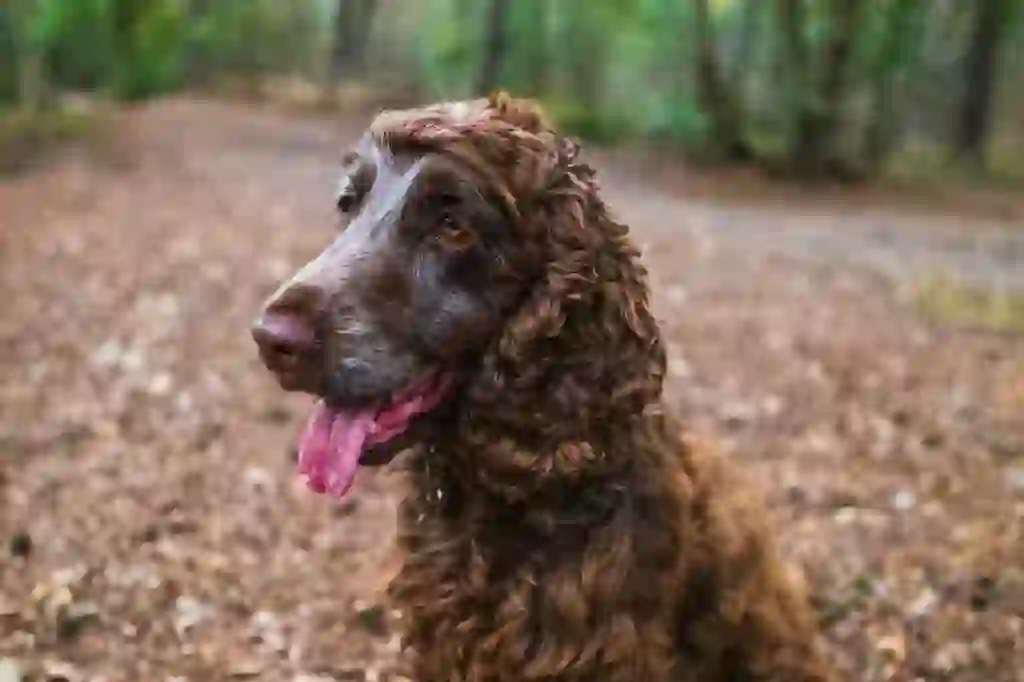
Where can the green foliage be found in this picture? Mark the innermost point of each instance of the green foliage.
(606, 69)
(8, 56)
(80, 43)
(254, 36)
(148, 46)
(446, 54)
(528, 69)
(626, 68)
(134, 49)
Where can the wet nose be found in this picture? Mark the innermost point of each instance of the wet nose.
(282, 336)
(286, 329)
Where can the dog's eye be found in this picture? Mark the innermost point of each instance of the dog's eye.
(453, 236)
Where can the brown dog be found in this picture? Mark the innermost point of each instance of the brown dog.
(482, 306)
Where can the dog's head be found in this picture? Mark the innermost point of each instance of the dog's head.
(446, 230)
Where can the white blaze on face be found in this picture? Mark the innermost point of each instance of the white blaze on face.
(330, 270)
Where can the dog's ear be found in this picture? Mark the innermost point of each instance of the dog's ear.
(583, 350)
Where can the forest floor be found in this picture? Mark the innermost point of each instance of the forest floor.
(152, 524)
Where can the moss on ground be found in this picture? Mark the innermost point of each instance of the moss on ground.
(946, 302)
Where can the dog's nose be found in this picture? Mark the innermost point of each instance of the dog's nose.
(286, 330)
(282, 335)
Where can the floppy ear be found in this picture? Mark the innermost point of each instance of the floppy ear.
(583, 354)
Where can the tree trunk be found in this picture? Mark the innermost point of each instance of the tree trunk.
(538, 53)
(198, 66)
(975, 119)
(31, 83)
(881, 131)
(31, 74)
(583, 53)
(124, 17)
(749, 40)
(795, 71)
(495, 46)
(716, 99)
(818, 104)
(352, 25)
(899, 45)
(28, 57)
(835, 77)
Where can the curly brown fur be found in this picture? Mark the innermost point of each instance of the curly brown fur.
(561, 528)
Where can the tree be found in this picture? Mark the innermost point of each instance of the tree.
(352, 25)
(532, 43)
(816, 97)
(198, 63)
(716, 97)
(898, 45)
(794, 67)
(495, 46)
(29, 54)
(583, 55)
(749, 38)
(991, 18)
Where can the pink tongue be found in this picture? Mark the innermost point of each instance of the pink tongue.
(330, 447)
(334, 440)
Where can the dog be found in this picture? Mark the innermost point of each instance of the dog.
(482, 310)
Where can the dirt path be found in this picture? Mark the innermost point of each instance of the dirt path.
(153, 523)
(900, 247)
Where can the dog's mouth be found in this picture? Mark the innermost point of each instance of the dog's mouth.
(337, 440)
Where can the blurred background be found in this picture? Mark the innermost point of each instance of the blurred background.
(839, 88)
(829, 195)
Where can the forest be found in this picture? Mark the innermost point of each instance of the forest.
(834, 88)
